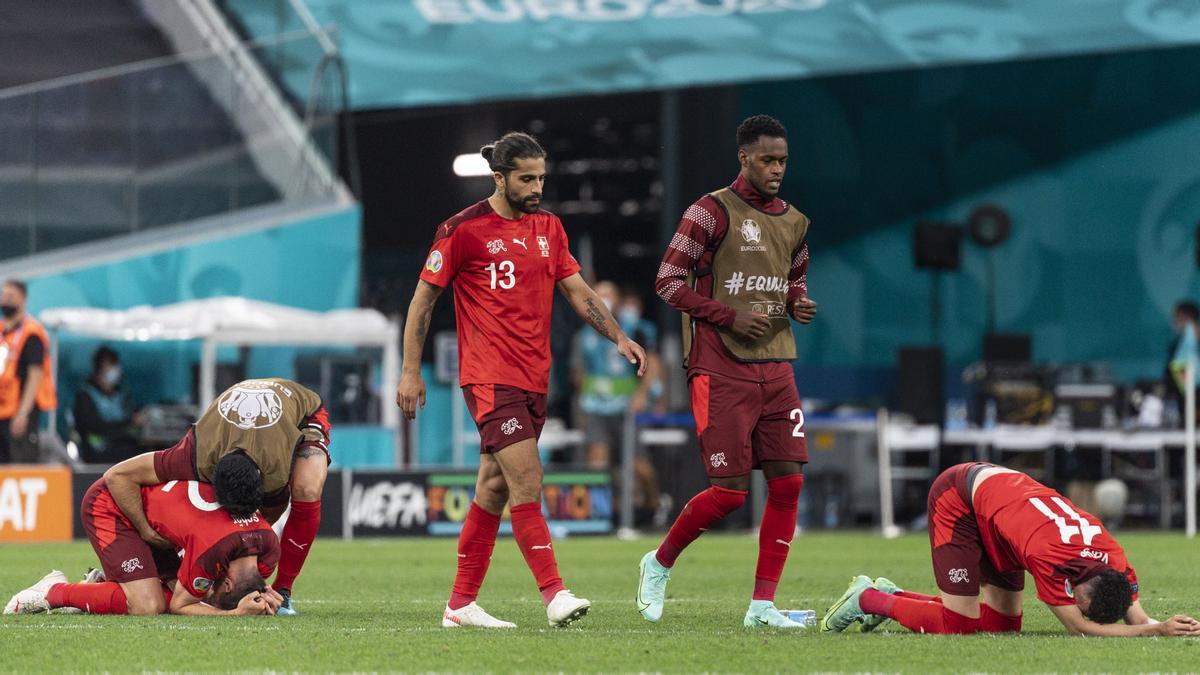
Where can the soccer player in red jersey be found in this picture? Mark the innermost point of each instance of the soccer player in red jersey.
(216, 566)
(504, 257)
(737, 269)
(988, 525)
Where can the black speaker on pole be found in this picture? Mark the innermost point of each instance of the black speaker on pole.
(937, 246)
(920, 384)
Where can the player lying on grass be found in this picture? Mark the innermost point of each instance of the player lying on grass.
(216, 566)
(262, 444)
(988, 525)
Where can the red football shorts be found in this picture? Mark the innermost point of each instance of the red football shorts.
(124, 555)
(742, 423)
(960, 562)
(504, 414)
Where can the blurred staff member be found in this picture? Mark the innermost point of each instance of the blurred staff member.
(609, 386)
(104, 414)
(26, 383)
(1186, 321)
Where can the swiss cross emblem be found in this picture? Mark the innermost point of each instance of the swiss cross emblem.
(544, 246)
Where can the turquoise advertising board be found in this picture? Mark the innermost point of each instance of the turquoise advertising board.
(435, 52)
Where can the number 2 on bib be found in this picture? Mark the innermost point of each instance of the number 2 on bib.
(505, 279)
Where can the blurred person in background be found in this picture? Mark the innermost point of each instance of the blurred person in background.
(737, 269)
(609, 388)
(26, 383)
(104, 413)
(1186, 322)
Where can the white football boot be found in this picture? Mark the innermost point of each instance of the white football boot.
(565, 608)
(472, 616)
(32, 600)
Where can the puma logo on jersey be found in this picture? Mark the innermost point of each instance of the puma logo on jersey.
(521, 242)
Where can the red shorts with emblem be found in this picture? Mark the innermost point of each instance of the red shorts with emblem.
(743, 423)
(960, 561)
(124, 555)
(504, 414)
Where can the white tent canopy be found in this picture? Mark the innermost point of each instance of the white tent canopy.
(239, 321)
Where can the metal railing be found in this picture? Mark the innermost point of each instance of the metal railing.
(152, 144)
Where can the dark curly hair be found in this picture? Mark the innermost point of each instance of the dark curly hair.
(502, 155)
(238, 484)
(751, 128)
(1112, 594)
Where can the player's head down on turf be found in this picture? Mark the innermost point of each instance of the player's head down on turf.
(518, 165)
(763, 152)
(1104, 597)
(238, 484)
(242, 579)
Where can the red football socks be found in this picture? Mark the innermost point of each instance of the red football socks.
(533, 538)
(920, 616)
(475, 544)
(702, 511)
(298, 535)
(102, 598)
(775, 533)
(991, 621)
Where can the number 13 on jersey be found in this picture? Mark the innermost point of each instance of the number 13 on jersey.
(502, 275)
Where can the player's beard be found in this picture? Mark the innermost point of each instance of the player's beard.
(523, 205)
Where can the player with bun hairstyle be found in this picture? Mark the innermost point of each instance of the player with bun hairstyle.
(504, 256)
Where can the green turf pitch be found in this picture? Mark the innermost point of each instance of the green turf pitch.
(376, 605)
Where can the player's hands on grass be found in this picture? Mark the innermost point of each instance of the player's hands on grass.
(750, 325)
(1179, 625)
(804, 310)
(152, 537)
(253, 604)
(411, 393)
(633, 352)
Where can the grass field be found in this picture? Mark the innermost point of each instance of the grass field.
(376, 605)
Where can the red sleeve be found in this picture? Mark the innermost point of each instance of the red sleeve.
(176, 463)
(315, 430)
(798, 276)
(697, 229)
(443, 261)
(565, 264)
(268, 557)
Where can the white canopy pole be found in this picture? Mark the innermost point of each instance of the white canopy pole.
(208, 373)
(1189, 469)
(389, 415)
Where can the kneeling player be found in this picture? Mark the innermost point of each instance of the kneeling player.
(259, 436)
(217, 565)
(988, 525)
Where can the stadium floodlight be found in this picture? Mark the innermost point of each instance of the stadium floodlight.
(471, 164)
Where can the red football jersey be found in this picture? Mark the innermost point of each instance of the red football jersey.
(1026, 525)
(504, 274)
(207, 536)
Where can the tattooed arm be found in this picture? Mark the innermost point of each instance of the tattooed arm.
(591, 309)
(411, 391)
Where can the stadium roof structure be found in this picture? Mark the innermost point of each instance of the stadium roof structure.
(239, 321)
(442, 52)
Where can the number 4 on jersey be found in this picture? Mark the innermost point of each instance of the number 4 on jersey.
(1085, 529)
